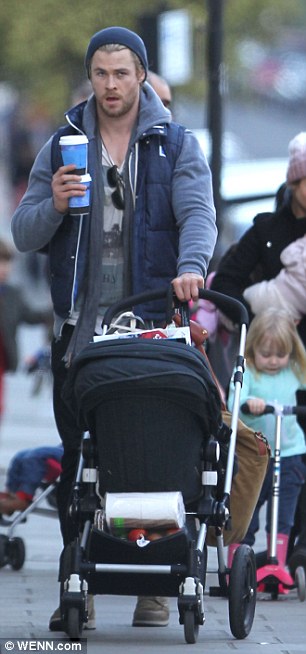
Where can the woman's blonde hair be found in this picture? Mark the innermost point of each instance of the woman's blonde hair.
(283, 332)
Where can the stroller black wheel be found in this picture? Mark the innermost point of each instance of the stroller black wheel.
(16, 553)
(74, 622)
(191, 629)
(242, 592)
(3, 550)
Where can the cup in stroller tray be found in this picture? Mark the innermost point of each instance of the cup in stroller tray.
(150, 513)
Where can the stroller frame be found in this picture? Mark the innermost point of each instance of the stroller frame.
(12, 548)
(100, 563)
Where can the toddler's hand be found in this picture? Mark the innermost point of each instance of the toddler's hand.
(256, 405)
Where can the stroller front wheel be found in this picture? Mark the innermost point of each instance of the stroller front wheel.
(74, 622)
(191, 628)
(242, 592)
(16, 552)
(3, 550)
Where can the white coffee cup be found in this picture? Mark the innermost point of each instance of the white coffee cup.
(74, 148)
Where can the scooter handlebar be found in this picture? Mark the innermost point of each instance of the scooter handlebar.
(285, 410)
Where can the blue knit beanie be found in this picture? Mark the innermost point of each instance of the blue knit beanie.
(122, 36)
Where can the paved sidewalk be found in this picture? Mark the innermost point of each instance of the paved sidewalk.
(29, 596)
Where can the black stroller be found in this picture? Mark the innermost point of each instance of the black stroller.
(12, 548)
(152, 416)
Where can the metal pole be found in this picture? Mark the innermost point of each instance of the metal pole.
(214, 117)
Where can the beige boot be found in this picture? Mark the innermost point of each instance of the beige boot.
(56, 623)
(151, 612)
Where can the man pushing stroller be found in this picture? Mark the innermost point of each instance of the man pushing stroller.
(153, 191)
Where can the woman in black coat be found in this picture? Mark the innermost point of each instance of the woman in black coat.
(256, 257)
(258, 251)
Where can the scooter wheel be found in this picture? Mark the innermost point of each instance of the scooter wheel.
(297, 559)
(300, 580)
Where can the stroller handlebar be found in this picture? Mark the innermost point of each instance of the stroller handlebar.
(283, 410)
(231, 307)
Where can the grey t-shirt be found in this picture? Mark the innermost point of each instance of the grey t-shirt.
(112, 257)
(112, 254)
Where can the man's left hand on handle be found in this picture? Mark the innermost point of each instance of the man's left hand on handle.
(186, 286)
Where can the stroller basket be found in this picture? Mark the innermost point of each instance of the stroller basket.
(165, 552)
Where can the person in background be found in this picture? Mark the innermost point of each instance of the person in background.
(151, 223)
(27, 469)
(81, 92)
(287, 289)
(29, 126)
(275, 370)
(21, 154)
(258, 255)
(260, 248)
(161, 87)
(14, 311)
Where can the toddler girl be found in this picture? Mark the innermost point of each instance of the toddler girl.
(275, 370)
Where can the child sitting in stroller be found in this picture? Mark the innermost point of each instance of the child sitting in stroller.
(26, 471)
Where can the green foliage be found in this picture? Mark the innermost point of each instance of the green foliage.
(43, 42)
(264, 18)
(270, 23)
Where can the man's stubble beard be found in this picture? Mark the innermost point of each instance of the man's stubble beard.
(124, 109)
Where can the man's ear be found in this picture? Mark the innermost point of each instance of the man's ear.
(141, 77)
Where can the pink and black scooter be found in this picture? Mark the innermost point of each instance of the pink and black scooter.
(272, 576)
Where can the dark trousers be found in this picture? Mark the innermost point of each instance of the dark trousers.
(298, 531)
(292, 477)
(69, 431)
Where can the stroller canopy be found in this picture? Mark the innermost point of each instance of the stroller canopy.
(164, 367)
